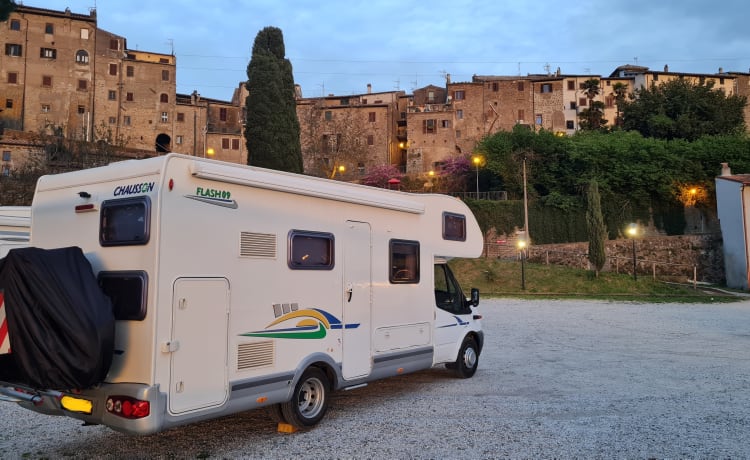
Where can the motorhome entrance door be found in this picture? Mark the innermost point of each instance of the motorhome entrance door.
(357, 301)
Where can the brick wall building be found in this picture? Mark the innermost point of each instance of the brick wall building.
(60, 73)
(349, 135)
(37, 45)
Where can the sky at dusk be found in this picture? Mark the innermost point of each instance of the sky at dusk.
(338, 47)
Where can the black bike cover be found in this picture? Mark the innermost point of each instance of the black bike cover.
(60, 324)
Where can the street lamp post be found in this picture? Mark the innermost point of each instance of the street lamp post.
(522, 253)
(341, 169)
(477, 160)
(632, 232)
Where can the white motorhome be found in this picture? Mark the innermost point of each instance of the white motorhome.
(237, 287)
(15, 224)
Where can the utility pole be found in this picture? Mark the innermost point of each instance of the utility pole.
(525, 206)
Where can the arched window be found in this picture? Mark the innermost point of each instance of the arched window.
(164, 98)
(82, 57)
(163, 143)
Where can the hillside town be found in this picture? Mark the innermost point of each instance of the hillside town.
(85, 83)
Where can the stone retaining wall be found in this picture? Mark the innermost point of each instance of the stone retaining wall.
(675, 258)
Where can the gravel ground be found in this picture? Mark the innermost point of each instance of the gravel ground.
(557, 379)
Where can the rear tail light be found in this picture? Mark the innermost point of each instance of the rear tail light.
(127, 407)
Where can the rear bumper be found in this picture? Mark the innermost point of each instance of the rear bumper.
(51, 403)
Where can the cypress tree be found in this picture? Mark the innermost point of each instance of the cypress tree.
(272, 132)
(597, 231)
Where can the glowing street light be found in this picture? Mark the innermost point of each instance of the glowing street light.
(430, 180)
(477, 160)
(210, 152)
(337, 169)
(521, 245)
(632, 232)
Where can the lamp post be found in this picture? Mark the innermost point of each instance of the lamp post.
(209, 151)
(521, 244)
(430, 184)
(477, 160)
(632, 232)
(341, 169)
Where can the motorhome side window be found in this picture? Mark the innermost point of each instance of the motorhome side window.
(310, 250)
(454, 226)
(125, 221)
(404, 261)
(128, 292)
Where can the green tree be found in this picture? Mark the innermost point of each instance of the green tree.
(6, 7)
(597, 231)
(272, 132)
(680, 109)
(592, 117)
(620, 91)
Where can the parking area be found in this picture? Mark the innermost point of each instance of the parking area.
(585, 379)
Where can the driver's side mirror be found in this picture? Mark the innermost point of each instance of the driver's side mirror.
(474, 297)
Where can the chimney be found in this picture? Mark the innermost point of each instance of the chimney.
(447, 79)
(557, 72)
(666, 68)
(725, 171)
(369, 88)
(721, 69)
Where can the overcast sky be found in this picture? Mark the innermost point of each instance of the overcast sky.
(339, 46)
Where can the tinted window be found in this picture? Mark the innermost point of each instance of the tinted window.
(128, 291)
(310, 250)
(125, 221)
(454, 226)
(448, 295)
(404, 261)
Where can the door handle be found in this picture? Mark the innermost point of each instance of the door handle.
(349, 291)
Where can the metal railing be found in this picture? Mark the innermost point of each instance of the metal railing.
(495, 196)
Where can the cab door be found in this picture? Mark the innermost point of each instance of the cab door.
(453, 315)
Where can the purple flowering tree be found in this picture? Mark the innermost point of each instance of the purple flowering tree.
(380, 175)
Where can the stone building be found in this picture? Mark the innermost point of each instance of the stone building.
(742, 88)
(349, 135)
(38, 44)
(211, 127)
(61, 74)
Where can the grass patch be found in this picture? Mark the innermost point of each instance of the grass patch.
(502, 278)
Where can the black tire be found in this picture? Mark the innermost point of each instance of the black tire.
(468, 359)
(309, 401)
(276, 414)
